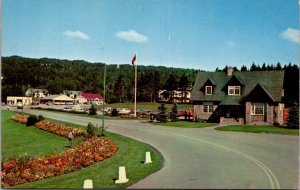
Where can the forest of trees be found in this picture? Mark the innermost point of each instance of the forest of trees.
(56, 75)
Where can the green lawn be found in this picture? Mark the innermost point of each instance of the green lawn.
(17, 139)
(153, 106)
(131, 154)
(185, 124)
(259, 129)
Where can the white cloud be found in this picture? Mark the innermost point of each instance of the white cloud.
(76, 34)
(132, 36)
(292, 35)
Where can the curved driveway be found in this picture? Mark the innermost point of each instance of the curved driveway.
(206, 158)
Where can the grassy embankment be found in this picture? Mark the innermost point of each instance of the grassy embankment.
(259, 129)
(18, 139)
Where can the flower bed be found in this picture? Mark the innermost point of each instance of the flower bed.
(56, 128)
(28, 169)
(59, 129)
(20, 118)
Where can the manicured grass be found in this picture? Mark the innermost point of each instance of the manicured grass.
(185, 124)
(17, 139)
(259, 129)
(131, 154)
(153, 106)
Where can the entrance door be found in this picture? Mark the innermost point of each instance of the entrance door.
(228, 112)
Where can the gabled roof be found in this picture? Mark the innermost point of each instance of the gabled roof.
(270, 81)
(57, 97)
(37, 90)
(259, 93)
(91, 96)
(210, 82)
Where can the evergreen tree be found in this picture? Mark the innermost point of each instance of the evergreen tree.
(243, 68)
(171, 85)
(253, 67)
(161, 116)
(264, 68)
(293, 120)
(174, 113)
(278, 66)
(183, 84)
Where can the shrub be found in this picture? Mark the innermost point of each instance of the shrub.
(40, 118)
(32, 119)
(92, 110)
(91, 130)
(114, 112)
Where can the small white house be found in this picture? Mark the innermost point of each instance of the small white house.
(14, 100)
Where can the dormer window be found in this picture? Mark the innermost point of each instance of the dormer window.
(234, 90)
(208, 90)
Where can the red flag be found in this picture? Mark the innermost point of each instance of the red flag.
(133, 59)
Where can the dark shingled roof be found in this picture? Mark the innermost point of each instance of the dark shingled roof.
(270, 81)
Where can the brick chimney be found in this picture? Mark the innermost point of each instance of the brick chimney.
(229, 71)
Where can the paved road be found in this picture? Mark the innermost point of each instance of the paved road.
(207, 158)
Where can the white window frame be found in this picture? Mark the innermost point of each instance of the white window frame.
(234, 88)
(257, 108)
(208, 107)
(206, 90)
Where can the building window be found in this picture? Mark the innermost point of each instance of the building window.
(208, 107)
(234, 90)
(257, 108)
(208, 90)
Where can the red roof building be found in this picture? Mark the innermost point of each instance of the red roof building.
(92, 97)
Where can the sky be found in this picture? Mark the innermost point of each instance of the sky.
(198, 34)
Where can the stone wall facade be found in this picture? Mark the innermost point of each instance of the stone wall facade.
(199, 114)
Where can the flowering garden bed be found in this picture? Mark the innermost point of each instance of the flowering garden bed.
(28, 169)
(20, 118)
(52, 127)
(59, 129)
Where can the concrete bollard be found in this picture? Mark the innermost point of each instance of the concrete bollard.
(122, 175)
(148, 158)
(88, 184)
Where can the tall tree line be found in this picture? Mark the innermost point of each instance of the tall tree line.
(56, 75)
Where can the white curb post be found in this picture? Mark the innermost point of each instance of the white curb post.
(148, 158)
(122, 175)
(88, 184)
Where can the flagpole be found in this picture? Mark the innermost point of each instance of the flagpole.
(135, 84)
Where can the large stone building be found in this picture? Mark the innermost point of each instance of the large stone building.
(250, 97)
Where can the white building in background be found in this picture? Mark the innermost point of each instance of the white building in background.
(178, 95)
(36, 93)
(14, 100)
(57, 100)
(72, 93)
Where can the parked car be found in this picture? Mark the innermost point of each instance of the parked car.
(68, 107)
(123, 111)
(19, 105)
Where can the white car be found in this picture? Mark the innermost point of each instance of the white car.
(123, 111)
(19, 105)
